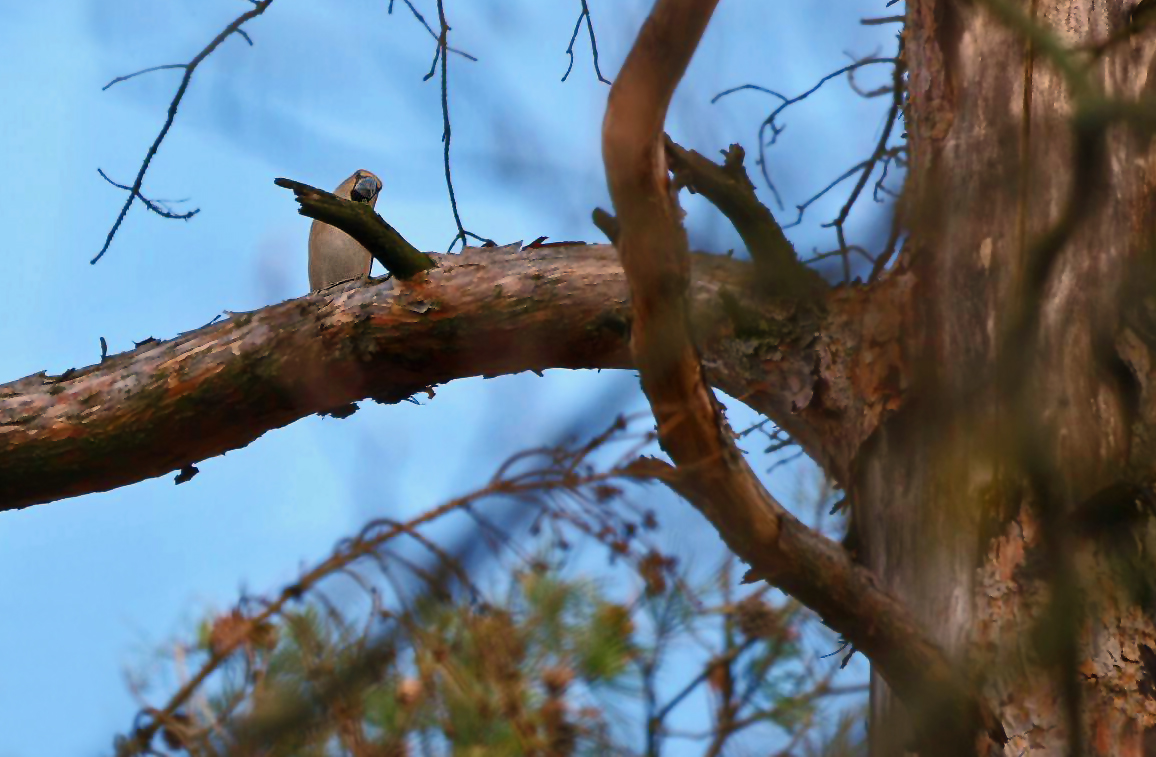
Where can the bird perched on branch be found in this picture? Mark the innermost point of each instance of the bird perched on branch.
(334, 256)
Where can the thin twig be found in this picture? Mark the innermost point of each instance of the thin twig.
(769, 123)
(156, 206)
(428, 28)
(441, 56)
(134, 192)
(891, 246)
(880, 153)
(584, 15)
(135, 74)
(729, 656)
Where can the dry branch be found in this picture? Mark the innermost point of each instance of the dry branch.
(712, 474)
(360, 221)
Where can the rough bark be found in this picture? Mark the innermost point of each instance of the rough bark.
(169, 404)
(951, 511)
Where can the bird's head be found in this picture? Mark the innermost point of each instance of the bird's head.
(362, 186)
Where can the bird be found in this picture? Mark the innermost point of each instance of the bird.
(334, 256)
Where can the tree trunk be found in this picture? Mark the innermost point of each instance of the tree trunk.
(947, 512)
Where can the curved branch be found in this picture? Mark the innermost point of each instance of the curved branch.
(712, 474)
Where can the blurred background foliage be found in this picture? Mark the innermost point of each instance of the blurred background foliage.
(583, 638)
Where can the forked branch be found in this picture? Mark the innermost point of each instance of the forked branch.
(711, 472)
(134, 192)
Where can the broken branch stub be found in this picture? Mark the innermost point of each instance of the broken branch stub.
(729, 189)
(360, 221)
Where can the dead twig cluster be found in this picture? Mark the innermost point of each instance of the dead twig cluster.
(884, 155)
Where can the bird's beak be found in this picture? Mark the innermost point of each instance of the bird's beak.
(365, 190)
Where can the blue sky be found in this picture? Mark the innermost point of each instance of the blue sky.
(91, 585)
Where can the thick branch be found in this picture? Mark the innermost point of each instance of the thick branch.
(358, 220)
(712, 473)
(729, 189)
(167, 405)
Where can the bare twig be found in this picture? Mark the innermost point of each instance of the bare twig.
(190, 68)
(157, 206)
(584, 16)
(417, 14)
(892, 245)
(126, 77)
(882, 152)
(770, 122)
(882, 155)
(729, 656)
(440, 57)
